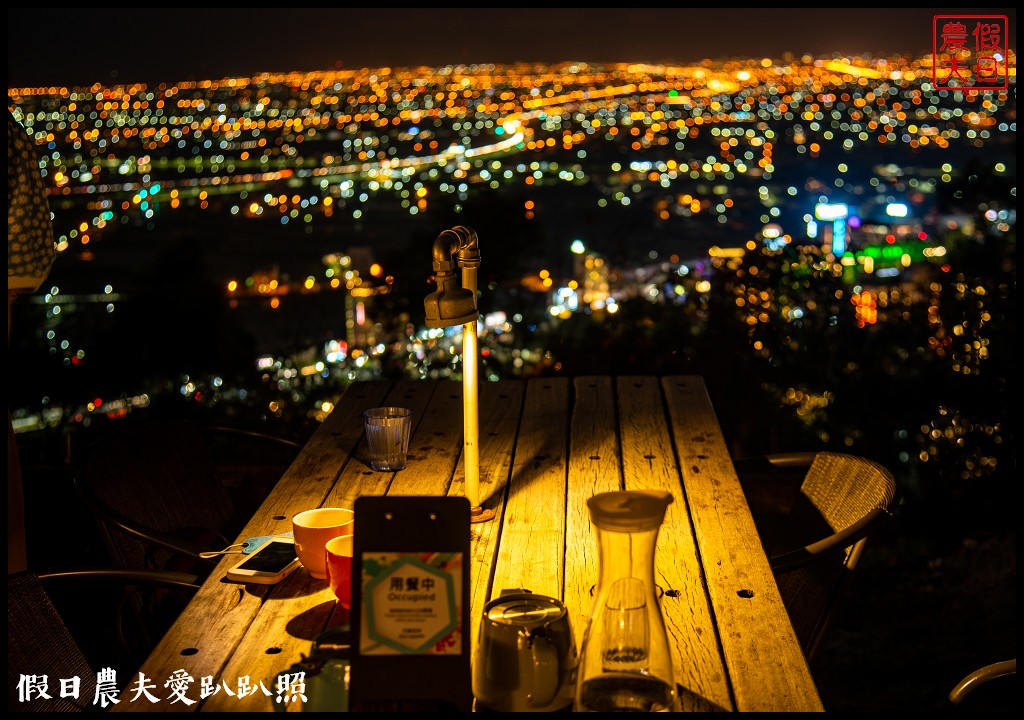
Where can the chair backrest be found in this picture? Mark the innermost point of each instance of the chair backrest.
(41, 649)
(852, 496)
(846, 488)
(158, 477)
(67, 624)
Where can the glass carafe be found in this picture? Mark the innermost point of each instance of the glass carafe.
(625, 662)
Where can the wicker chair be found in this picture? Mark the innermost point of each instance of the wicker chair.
(814, 513)
(40, 643)
(163, 493)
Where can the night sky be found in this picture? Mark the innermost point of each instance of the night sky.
(80, 46)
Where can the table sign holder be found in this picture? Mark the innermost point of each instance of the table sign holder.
(410, 605)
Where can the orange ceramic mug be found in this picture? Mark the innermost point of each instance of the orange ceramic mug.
(312, 529)
(339, 568)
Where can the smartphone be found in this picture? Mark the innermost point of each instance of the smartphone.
(270, 563)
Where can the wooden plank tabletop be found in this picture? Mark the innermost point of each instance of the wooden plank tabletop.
(546, 446)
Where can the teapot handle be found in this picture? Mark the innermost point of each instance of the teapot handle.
(546, 671)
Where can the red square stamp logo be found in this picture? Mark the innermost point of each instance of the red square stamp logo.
(969, 52)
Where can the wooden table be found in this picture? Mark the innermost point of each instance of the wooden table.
(546, 445)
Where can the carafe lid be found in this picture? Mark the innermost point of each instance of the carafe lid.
(629, 510)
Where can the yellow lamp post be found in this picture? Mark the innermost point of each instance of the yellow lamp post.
(453, 305)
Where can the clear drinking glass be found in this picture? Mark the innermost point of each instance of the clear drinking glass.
(387, 437)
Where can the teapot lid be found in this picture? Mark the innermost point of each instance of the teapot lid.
(526, 611)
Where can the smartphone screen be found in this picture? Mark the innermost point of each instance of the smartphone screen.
(271, 558)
